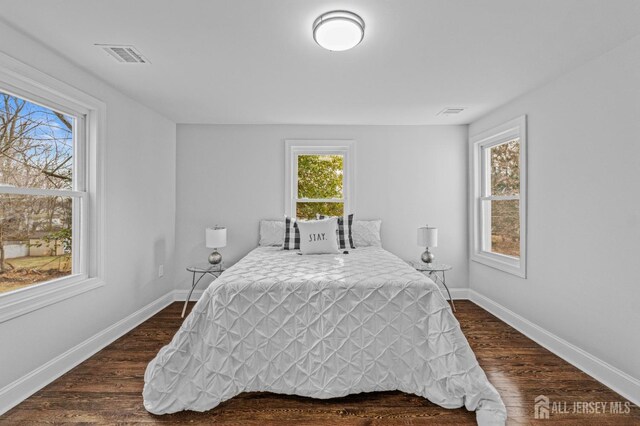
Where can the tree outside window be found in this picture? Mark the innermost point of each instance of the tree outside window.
(499, 197)
(36, 153)
(505, 214)
(320, 186)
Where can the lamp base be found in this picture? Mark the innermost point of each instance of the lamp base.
(215, 258)
(427, 256)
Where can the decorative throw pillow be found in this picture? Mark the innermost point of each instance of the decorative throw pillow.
(342, 233)
(271, 233)
(319, 236)
(366, 233)
(291, 234)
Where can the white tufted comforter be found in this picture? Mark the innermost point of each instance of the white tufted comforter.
(321, 326)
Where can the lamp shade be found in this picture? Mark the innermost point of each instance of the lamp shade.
(216, 237)
(428, 236)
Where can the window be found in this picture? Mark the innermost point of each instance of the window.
(319, 178)
(498, 206)
(50, 190)
(41, 193)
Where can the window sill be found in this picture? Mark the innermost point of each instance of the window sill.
(506, 264)
(23, 301)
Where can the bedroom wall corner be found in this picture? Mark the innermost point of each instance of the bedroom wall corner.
(583, 221)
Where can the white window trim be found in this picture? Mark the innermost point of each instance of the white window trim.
(516, 128)
(26, 82)
(295, 147)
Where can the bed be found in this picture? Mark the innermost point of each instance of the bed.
(321, 326)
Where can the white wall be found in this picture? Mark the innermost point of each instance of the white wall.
(584, 210)
(405, 175)
(140, 222)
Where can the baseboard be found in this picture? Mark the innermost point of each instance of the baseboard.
(181, 295)
(19, 390)
(617, 380)
(458, 293)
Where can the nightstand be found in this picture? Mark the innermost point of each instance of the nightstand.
(435, 271)
(203, 269)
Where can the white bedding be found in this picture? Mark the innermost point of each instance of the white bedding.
(321, 326)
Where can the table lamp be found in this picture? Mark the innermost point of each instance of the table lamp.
(428, 237)
(216, 237)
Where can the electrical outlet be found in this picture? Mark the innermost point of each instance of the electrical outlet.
(160, 270)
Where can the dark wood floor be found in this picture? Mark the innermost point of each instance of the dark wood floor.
(107, 388)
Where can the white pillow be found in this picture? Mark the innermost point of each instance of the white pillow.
(366, 233)
(319, 236)
(271, 233)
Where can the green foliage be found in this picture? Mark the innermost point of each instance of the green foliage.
(319, 177)
(310, 210)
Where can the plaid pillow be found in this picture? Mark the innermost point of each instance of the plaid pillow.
(342, 237)
(291, 234)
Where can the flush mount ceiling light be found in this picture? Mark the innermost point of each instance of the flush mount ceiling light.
(338, 30)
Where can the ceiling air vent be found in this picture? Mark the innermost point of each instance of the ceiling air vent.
(451, 111)
(124, 54)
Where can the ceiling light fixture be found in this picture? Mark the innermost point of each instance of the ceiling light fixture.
(338, 30)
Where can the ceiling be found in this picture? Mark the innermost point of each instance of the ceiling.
(241, 61)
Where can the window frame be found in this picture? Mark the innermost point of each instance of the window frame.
(88, 261)
(297, 147)
(479, 224)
